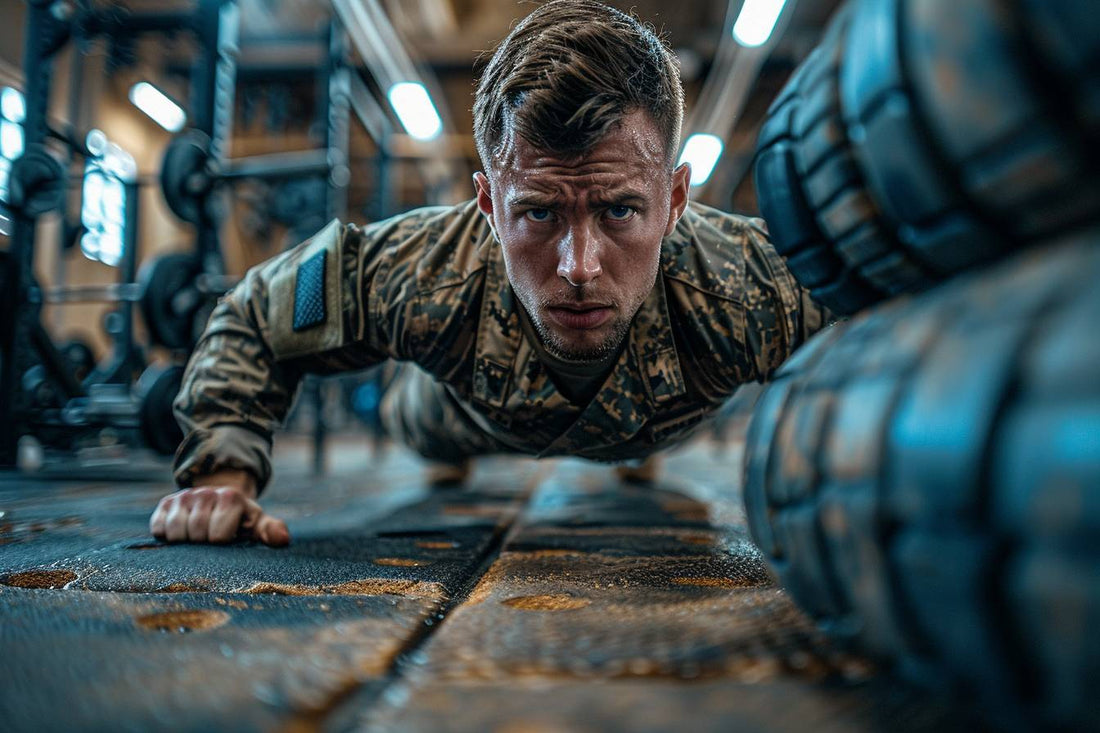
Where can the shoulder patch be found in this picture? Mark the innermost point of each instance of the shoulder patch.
(309, 293)
(304, 296)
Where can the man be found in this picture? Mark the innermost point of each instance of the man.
(577, 306)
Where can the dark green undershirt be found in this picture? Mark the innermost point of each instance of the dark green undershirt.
(578, 381)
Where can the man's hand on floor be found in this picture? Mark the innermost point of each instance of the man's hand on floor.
(219, 508)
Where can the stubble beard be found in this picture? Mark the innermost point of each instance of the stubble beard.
(557, 347)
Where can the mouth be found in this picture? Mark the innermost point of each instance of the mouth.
(580, 316)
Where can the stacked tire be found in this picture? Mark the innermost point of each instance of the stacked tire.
(925, 478)
(924, 138)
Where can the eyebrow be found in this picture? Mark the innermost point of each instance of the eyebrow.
(620, 196)
(532, 199)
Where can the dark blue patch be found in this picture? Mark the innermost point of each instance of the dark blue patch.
(309, 293)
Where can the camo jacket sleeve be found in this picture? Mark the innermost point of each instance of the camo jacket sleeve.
(345, 299)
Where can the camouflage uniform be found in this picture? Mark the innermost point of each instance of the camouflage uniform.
(429, 287)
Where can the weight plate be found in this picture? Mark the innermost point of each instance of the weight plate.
(37, 182)
(80, 356)
(184, 179)
(156, 389)
(170, 298)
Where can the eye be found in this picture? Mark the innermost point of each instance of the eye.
(619, 212)
(539, 215)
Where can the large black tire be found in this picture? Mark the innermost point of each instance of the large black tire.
(913, 185)
(835, 186)
(791, 220)
(930, 137)
(925, 480)
(1004, 116)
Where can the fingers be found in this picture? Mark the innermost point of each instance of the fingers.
(198, 518)
(157, 520)
(175, 527)
(227, 517)
(216, 515)
(272, 531)
(264, 527)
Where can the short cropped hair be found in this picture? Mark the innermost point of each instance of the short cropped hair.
(568, 73)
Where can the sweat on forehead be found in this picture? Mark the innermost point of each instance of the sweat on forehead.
(634, 134)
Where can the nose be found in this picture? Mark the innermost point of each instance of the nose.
(579, 257)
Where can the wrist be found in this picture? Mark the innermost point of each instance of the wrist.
(234, 478)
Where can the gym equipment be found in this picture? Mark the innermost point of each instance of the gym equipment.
(37, 182)
(193, 174)
(882, 175)
(923, 480)
(791, 222)
(183, 181)
(154, 392)
(80, 357)
(190, 175)
(43, 393)
(170, 298)
(40, 394)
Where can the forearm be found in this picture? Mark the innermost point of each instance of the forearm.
(279, 323)
(234, 392)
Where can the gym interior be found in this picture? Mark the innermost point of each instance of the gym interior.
(893, 532)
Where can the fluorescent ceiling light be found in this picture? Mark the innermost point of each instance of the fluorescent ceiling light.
(11, 139)
(415, 109)
(119, 163)
(96, 142)
(12, 106)
(756, 21)
(154, 103)
(5, 174)
(702, 151)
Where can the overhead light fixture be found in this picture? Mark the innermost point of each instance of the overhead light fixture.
(11, 139)
(13, 110)
(756, 21)
(702, 151)
(415, 109)
(103, 203)
(12, 105)
(5, 176)
(96, 142)
(158, 106)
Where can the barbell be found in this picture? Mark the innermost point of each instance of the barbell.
(190, 175)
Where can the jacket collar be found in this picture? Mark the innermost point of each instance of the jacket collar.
(620, 409)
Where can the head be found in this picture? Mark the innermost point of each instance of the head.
(577, 120)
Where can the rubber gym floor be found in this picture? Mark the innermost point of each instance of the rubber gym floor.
(544, 597)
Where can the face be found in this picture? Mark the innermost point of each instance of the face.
(581, 236)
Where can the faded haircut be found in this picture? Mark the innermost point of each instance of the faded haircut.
(566, 76)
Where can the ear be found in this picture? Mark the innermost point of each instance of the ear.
(484, 196)
(681, 181)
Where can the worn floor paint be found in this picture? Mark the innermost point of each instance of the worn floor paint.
(545, 597)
